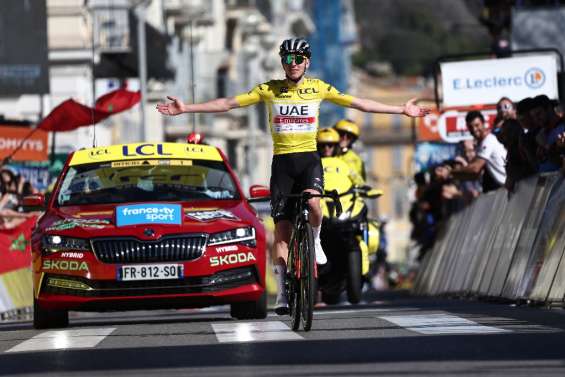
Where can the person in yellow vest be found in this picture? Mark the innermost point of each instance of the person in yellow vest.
(328, 146)
(348, 134)
(343, 237)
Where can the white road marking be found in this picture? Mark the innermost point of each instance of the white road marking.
(64, 339)
(353, 311)
(433, 324)
(253, 332)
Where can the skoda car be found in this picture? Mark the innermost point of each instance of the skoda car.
(141, 226)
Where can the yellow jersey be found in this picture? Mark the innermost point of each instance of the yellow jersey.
(294, 110)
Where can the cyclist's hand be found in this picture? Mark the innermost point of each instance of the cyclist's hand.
(413, 110)
(172, 108)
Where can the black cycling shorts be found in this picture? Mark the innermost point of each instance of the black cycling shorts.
(293, 173)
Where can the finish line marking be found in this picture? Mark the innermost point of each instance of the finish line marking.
(437, 324)
(253, 332)
(63, 339)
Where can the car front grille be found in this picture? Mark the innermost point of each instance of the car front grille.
(166, 249)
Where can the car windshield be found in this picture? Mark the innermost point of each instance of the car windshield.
(147, 180)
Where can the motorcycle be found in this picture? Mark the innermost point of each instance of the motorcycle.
(348, 240)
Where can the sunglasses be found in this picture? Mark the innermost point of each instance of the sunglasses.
(505, 106)
(322, 146)
(298, 59)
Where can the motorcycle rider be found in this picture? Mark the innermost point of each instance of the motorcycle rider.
(348, 134)
(328, 146)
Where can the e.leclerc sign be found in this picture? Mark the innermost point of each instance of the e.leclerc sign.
(486, 81)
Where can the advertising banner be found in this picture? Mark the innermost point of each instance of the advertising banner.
(34, 172)
(486, 81)
(35, 148)
(449, 126)
(452, 127)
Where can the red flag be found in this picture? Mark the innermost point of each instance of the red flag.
(71, 115)
(15, 246)
(117, 101)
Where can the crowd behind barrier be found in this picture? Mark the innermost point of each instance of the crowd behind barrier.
(15, 249)
(504, 245)
(487, 222)
(525, 139)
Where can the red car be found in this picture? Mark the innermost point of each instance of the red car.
(142, 226)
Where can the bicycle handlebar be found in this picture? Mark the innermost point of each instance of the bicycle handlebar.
(364, 191)
(334, 195)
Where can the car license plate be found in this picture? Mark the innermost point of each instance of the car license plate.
(151, 272)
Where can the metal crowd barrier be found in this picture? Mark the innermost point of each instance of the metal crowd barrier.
(503, 246)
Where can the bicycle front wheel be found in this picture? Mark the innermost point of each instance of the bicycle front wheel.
(308, 278)
(293, 284)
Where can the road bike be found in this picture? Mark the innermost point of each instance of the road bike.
(301, 265)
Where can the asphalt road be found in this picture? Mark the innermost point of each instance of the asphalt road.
(392, 334)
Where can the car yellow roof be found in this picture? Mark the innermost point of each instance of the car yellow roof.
(145, 151)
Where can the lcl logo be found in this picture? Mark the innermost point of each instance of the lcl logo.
(98, 152)
(145, 150)
(308, 91)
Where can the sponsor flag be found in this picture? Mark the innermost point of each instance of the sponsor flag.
(71, 115)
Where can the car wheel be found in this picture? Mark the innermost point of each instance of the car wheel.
(46, 319)
(354, 278)
(250, 310)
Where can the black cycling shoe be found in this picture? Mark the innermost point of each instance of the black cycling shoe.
(282, 310)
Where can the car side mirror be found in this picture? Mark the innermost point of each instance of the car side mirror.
(259, 193)
(34, 202)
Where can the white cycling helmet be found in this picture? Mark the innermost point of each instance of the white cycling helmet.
(295, 46)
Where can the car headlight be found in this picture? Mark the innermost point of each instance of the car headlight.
(55, 243)
(237, 235)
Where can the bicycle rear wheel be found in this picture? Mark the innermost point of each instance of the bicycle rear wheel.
(308, 278)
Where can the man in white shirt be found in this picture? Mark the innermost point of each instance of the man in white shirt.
(491, 155)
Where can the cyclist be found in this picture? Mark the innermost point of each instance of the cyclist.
(348, 134)
(293, 106)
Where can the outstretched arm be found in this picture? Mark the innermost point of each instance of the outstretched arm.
(176, 106)
(409, 108)
(471, 171)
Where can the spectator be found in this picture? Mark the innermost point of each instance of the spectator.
(451, 194)
(518, 166)
(549, 126)
(470, 188)
(528, 144)
(12, 189)
(490, 159)
(421, 217)
(505, 109)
